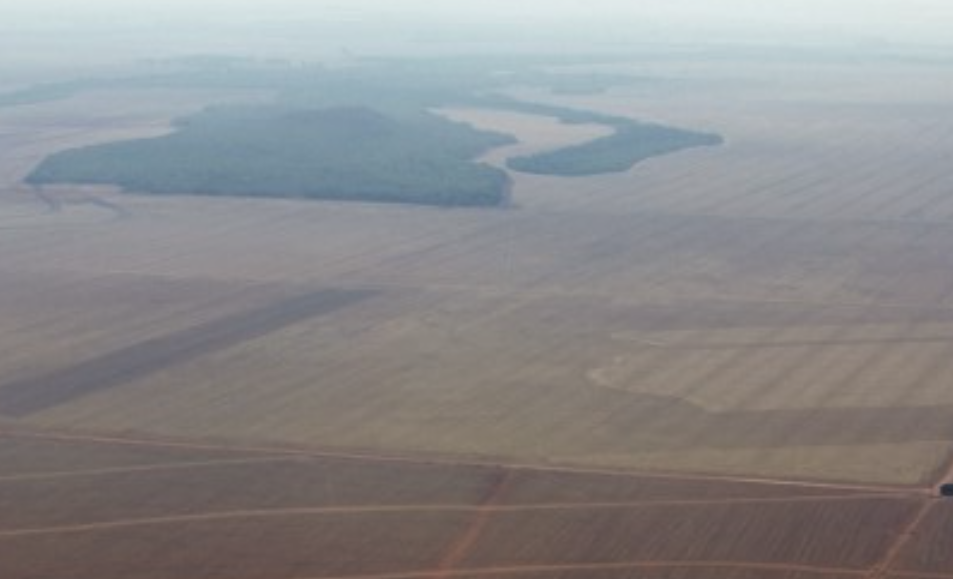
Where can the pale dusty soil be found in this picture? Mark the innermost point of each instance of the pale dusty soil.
(779, 306)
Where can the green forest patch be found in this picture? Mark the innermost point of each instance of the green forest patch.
(346, 153)
(361, 132)
(630, 144)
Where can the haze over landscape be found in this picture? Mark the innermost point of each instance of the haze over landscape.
(46, 29)
(374, 289)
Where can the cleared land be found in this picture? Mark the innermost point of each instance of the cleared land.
(926, 551)
(295, 513)
(779, 309)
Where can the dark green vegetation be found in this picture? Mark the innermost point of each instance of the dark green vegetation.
(631, 143)
(361, 132)
(337, 153)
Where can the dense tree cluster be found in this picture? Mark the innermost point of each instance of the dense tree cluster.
(631, 143)
(361, 132)
(347, 153)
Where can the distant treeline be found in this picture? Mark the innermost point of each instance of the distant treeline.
(357, 132)
(630, 143)
(351, 153)
(40, 93)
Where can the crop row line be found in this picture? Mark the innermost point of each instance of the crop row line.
(482, 510)
(444, 461)
(616, 566)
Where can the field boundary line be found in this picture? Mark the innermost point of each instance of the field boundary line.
(170, 466)
(884, 568)
(621, 566)
(451, 461)
(921, 575)
(895, 549)
(483, 511)
(462, 546)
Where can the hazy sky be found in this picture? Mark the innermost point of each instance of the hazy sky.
(881, 16)
(269, 25)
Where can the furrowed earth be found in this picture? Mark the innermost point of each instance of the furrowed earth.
(731, 361)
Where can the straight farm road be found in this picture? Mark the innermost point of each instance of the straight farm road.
(721, 566)
(155, 442)
(481, 514)
(909, 531)
(165, 467)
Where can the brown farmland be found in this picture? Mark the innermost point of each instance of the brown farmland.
(323, 516)
(730, 362)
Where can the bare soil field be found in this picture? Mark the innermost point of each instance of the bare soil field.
(927, 552)
(819, 535)
(162, 508)
(759, 336)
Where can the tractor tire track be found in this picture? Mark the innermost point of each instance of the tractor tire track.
(621, 566)
(165, 467)
(454, 462)
(482, 513)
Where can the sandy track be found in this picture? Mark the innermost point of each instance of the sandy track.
(807, 343)
(169, 466)
(923, 575)
(528, 569)
(443, 461)
(460, 548)
(883, 569)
